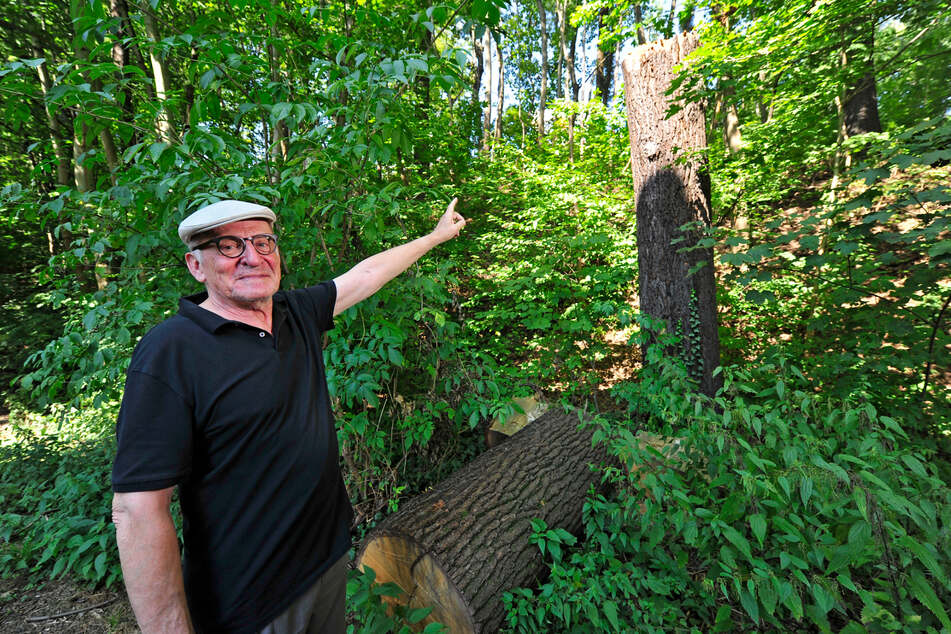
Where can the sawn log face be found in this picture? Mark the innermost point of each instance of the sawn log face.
(474, 527)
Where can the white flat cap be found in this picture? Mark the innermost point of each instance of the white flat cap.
(221, 213)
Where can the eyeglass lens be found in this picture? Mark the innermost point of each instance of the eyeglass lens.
(233, 246)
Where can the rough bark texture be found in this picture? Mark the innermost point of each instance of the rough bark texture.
(604, 65)
(670, 195)
(479, 68)
(460, 545)
(861, 100)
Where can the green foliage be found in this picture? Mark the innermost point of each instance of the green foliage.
(54, 495)
(778, 507)
(373, 612)
(858, 286)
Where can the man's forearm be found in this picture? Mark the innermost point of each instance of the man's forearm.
(369, 276)
(152, 568)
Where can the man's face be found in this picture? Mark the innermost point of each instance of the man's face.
(239, 282)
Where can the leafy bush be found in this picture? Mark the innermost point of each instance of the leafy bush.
(780, 508)
(55, 496)
(373, 612)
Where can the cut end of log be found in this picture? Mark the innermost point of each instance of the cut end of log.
(399, 559)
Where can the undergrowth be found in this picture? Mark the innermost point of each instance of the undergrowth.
(772, 506)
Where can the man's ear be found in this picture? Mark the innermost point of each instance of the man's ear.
(194, 267)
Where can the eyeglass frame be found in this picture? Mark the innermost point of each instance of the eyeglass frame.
(217, 242)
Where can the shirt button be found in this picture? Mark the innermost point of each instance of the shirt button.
(262, 334)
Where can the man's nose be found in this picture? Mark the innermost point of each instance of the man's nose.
(251, 257)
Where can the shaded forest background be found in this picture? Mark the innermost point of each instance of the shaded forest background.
(814, 488)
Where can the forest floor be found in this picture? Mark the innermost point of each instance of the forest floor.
(62, 606)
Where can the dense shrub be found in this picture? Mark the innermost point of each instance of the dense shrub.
(779, 507)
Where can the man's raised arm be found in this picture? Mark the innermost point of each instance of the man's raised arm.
(371, 274)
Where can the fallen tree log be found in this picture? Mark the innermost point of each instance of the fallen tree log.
(460, 545)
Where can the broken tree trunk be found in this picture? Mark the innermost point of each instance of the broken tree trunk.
(460, 545)
(675, 285)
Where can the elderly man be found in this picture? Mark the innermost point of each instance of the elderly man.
(228, 401)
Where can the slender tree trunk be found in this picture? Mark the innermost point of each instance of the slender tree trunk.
(725, 106)
(676, 286)
(574, 84)
(421, 87)
(279, 131)
(487, 111)
(122, 50)
(163, 118)
(543, 91)
(604, 65)
(560, 69)
(479, 60)
(641, 31)
(501, 88)
(566, 59)
(764, 109)
(64, 171)
(671, 19)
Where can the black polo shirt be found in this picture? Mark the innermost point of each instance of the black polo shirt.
(241, 421)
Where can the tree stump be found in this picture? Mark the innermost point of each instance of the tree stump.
(671, 194)
(460, 545)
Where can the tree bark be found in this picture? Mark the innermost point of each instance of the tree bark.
(64, 167)
(543, 91)
(122, 50)
(460, 545)
(501, 88)
(604, 65)
(641, 32)
(670, 195)
(861, 100)
(731, 118)
(487, 111)
(477, 54)
(163, 118)
(279, 131)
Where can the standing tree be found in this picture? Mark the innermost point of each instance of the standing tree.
(604, 67)
(543, 91)
(676, 268)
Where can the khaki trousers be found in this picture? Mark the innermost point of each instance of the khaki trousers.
(320, 610)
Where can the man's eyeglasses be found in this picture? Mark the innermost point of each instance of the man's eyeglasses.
(233, 246)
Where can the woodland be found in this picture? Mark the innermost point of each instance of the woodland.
(765, 438)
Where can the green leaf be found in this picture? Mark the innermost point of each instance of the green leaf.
(794, 603)
(100, 565)
(758, 526)
(925, 557)
(914, 464)
(805, 489)
(750, 605)
(824, 600)
(738, 540)
(924, 593)
(858, 496)
(724, 620)
(416, 615)
(610, 611)
(767, 595)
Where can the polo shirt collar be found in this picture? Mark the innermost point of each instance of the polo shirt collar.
(188, 306)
